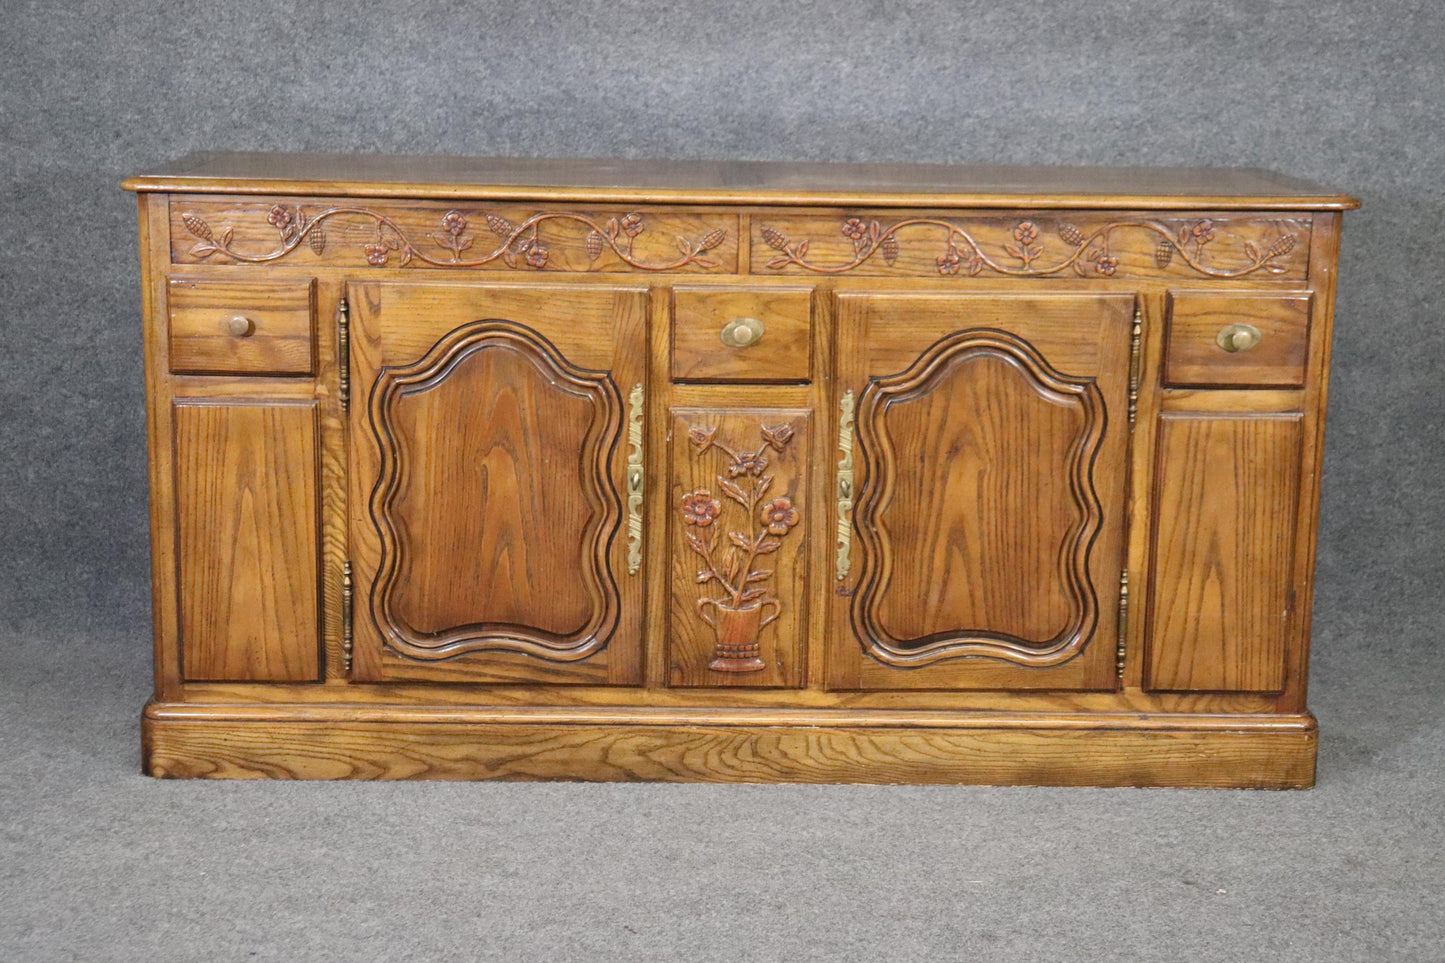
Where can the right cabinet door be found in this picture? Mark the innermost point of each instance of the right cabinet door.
(981, 535)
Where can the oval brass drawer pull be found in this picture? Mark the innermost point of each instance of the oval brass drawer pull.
(742, 332)
(1237, 337)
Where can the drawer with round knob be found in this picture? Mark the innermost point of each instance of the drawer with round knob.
(241, 327)
(1246, 340)
(742, 334)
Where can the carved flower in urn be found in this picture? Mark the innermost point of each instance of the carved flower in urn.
(631, 224)
(454, 223)
(779, 515)
(700, 508)
(777, 436)
(747, 463)
(701, 437)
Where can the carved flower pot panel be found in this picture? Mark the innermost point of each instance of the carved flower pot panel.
(1065, 246)
(737, 546)
(488, 477)
(987, 518)
(321, 231)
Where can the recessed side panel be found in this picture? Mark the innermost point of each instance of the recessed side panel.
(1222, 600)
(245, 479)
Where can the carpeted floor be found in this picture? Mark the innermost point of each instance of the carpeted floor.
(99, 863)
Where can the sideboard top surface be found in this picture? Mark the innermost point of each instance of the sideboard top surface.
(738, 182)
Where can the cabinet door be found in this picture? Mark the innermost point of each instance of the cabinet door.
(489, 447)
(987, 531)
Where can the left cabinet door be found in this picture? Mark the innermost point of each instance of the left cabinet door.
(490, 461)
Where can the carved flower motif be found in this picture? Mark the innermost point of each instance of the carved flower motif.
(779, 515)
(854, 228)
(1026, 232)
(948, 263)
(1106, 265)
(747, 463)
(778, 436)
(1203, 231)
(701, 437)
(631, 224)
(537, 256)
(280, 218)
(700, 508)
(454, 223)
(376, 254)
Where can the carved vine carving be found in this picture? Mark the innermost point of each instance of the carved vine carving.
(514, 244)
(881, 461)
(604, 502)
(1087, 253)
(738, 616)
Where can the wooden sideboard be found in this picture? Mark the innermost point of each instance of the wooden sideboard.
(619, 470)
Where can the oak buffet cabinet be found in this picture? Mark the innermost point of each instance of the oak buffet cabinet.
(488, 468)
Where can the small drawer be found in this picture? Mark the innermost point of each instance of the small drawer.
(241, 327)
(1257, 340)
(726, 334)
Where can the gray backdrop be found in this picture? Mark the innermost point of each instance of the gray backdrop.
(99, 863)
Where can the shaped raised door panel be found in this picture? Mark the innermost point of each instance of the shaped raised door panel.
(490, 518)
(987, 523)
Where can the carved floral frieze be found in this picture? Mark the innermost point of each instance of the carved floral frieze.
(456, 238)
(1039, 248)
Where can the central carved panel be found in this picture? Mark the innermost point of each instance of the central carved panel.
(495, 506)
(980, 511)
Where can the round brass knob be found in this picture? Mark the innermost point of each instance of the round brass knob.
(1237, 337)
(742, 332)
(240, 326)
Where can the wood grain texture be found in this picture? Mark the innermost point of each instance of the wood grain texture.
(738, 182)
(246, 544)
(241, 327)
(1265, 757)
(1194, 357)
(488, 456)
(1223, 590)
(779, 574)
(784, 353)
(989, 493)
(323, 232)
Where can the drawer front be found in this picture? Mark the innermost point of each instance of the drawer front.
(736, 334)
(241, 327)
(1239, 340)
